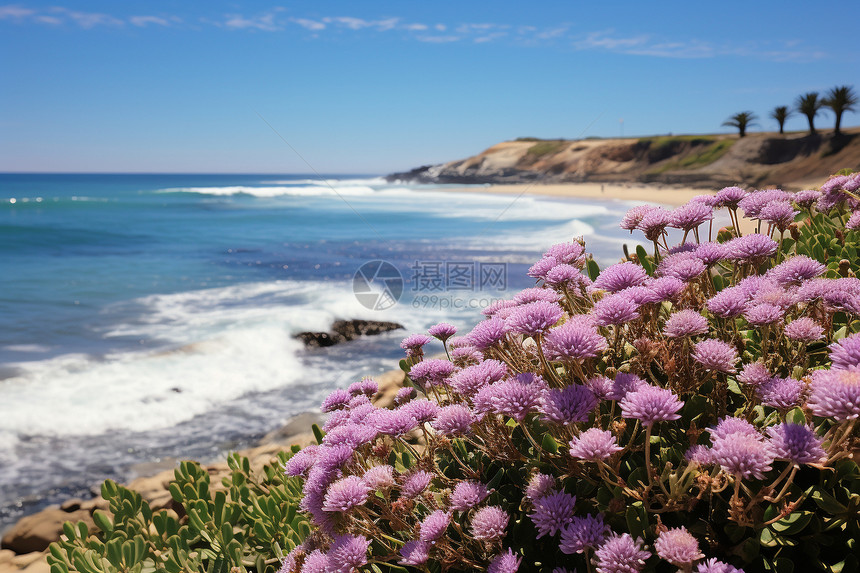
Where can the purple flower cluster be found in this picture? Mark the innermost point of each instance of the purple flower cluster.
(582, 533)
(685, 323)
(835, 394)
(716, 355)
(489, 523)
(650, 404)
(552, 512)
(620, 554)
(621, 276)
(594, 445)
(678, 547)
(568, 405)
(574, 340)
(468, 494)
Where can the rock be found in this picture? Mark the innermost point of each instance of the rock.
(26, 559)
(71, 505)
(6, 555)
(35, 532)
(345, 330)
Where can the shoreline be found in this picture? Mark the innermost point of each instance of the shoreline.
(643, 192)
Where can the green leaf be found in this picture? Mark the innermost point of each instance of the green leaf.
(827, 502)
(637, 519)
(103, 521)
(796, 416)
(318, 433)
(549, 444)
(593, 269)
(646, 263)
(497, 479)
(793, 524)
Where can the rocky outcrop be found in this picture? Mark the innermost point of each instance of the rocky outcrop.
(711, 161)
(346, 330)
(24, 545)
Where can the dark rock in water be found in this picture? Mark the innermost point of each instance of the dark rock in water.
(345, 330)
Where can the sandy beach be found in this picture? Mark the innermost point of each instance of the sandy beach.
(671, 196)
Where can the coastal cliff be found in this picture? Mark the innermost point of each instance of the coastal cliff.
(791, 161)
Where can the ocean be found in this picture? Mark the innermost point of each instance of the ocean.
(149, 317)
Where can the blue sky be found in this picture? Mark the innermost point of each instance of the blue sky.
(374, 87)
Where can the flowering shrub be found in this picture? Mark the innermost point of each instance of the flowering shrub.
(691, 408)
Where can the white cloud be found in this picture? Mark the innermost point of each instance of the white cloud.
(14, 12)
(438, 39)
(307, 24)
(88, 20)
(143, 21)
(266, 22)
(415, 27)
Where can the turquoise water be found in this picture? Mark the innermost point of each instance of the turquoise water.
(144, 316)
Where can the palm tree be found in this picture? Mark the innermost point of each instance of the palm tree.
(780, 114)
(741, 121)
(808, 105)
(840, 99)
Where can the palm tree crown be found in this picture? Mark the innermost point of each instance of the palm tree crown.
(741, 121)
(780, 114)
(809, 104)
(840, 99)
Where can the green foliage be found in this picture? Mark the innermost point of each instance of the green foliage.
(245, 525)
(705, 157)
(545, 148)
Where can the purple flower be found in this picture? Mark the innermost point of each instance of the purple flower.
(752, 248)
(667, 288)
(650, 404)
(315, 562)
(742, 455)
(729, 197)
(780, 393)
(620, 554)
(843, 294)
(853, 221)
(624, 383)
(621, 276)
(489, 523)
(567, 253)
(699, 455)
(442, 331)
(552, 512)
(405, 394)
(654, 223)
(804, 330)
(684, 267)
(516, 398)
(415, 483)
(542, 267)
(568, 276)
(422, 410)
(845, 354)
(412, 344)
(685, 323)
(583, 533)
(367, 387)
(835, 394)
(614, 309)
(415, 552)
(336, 400)
(348, 552)
(344, 494)
(716, 355)
(301, 462)
(795, 270)
(574, 340)
(762, 314)
(601, 386)
(391, 422)
(779, 214)
(634, 216)
(594, 445)
(678, 547)
(353, 435)
(691, 215)
(534, 318)
(731, 425)
(454, 419)
(714, 566)
(539, 485)
(728, 303)
(487, 333)
(754, 202)
(506, 562)
(432, 372)
(568, 405)
(434, 525)
(535, 294)
(754, 374)
(640, 295)
(710, 253)
(379, 477)
(471, 379)
(796, 443)
(468, 494)
(806, 198)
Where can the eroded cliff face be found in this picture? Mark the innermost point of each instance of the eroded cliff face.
(795, 160)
